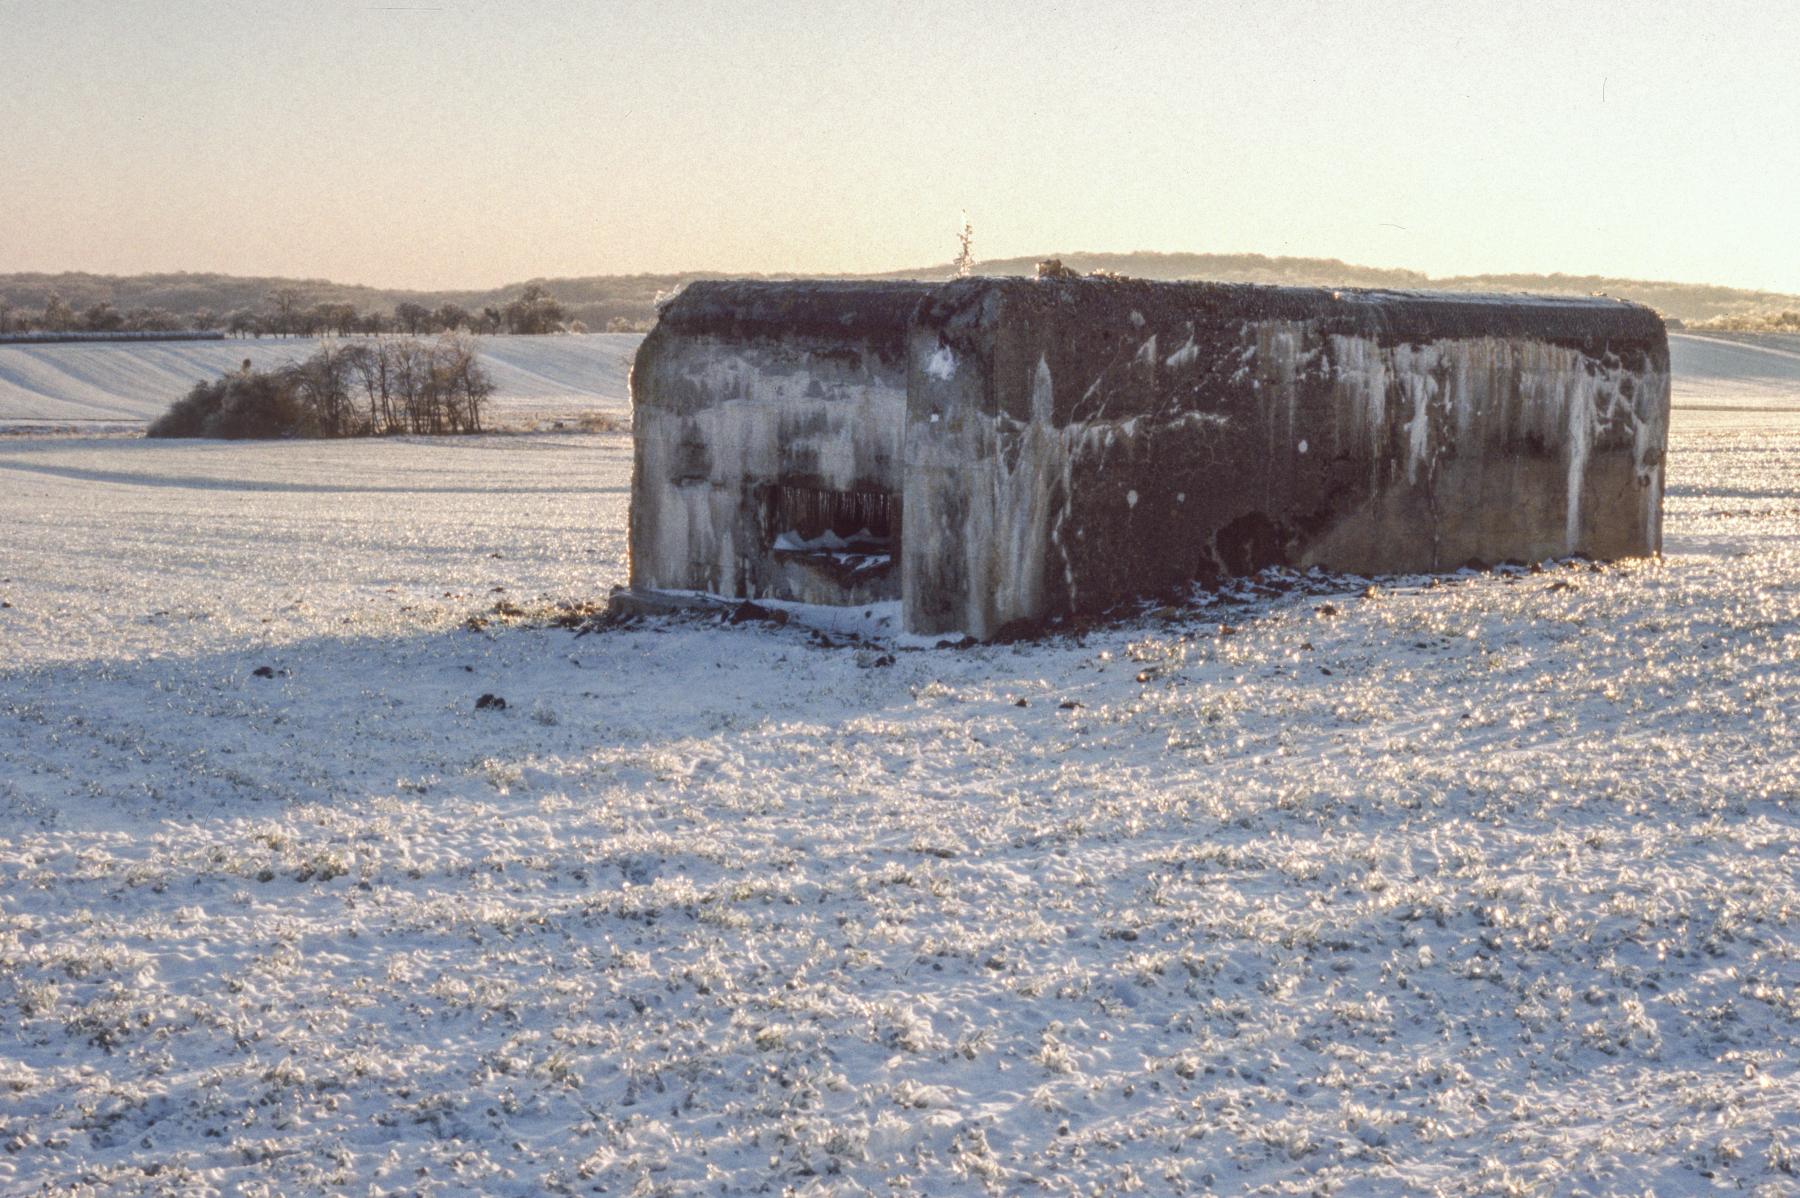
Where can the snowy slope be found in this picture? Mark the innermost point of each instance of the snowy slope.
(133, 383)
(1736, 369)
(1477, 886)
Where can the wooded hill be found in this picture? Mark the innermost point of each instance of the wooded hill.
(599, 300)
(1687, 302)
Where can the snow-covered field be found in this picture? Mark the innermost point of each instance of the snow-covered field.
(129, 384)
(1736, 370)
(1481, 887)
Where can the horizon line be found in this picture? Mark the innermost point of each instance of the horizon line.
(947, 265)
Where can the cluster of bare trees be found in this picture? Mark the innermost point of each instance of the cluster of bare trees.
(397, 385)
(347, 389)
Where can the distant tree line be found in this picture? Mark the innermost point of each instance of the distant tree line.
(627, 303)
(363, 388)
(58, 316)
(287, 312)
(602, 302)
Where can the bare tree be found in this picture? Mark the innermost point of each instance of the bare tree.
(102, 318)
(451, 317)
(463, 385)
(323, 384)
(372, 366)
(411, 372)
(534, 312)
(58, 316)
(286, 302)
(336, 318)
(411, 318)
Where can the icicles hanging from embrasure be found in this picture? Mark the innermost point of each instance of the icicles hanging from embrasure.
(806, 516)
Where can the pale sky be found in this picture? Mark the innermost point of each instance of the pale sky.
(437, 143)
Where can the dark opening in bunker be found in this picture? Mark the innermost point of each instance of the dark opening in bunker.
(856, 530)
(1247, 544)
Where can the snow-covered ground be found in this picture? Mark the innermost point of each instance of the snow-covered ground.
(129, 384)
(1485, 886)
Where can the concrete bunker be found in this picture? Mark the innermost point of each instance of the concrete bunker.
(995, 451)
(769, 425)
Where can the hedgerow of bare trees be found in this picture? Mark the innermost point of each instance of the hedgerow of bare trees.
(287, 312)
(58, 316)
(284, 314)
(367, 388)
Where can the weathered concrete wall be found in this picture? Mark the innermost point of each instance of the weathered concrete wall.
(1056, 446)
(1071, 443)
(762, 413)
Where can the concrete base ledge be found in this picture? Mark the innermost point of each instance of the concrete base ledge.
(630, 601)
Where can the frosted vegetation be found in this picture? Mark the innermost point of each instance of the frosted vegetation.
(1484, 885)
(364, 388)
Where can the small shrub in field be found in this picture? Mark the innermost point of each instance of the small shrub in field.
(187, 416)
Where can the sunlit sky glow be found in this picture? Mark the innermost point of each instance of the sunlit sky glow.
(432, 143)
